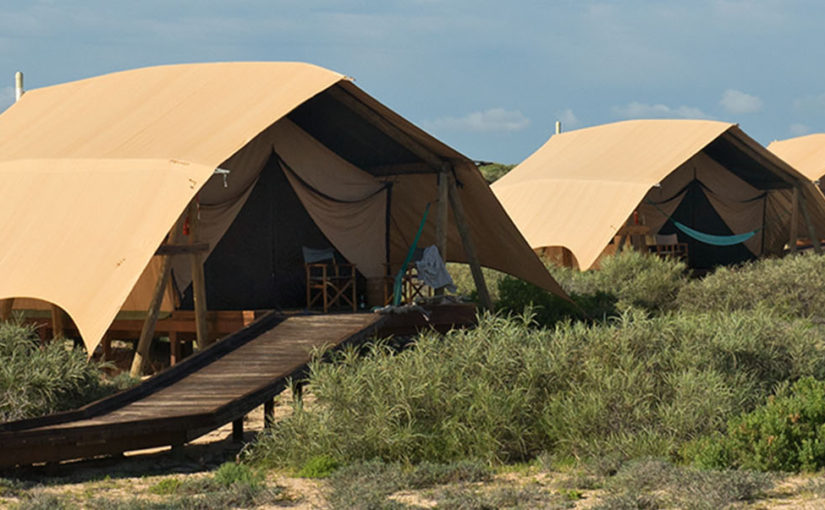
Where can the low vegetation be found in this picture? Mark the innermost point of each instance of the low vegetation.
(39, 379)
(652, 389)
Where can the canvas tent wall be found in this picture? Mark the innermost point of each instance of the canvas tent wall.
(805, 153)
(578, 189)
(96, 172)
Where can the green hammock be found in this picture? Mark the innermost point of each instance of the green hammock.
(396, 291)
(714, 239)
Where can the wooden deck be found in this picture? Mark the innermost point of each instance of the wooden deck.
(214, 387)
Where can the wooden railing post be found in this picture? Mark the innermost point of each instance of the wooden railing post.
(469, 247)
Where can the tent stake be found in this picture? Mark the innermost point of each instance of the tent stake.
(469, 247)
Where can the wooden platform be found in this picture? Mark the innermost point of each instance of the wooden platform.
(214, 387)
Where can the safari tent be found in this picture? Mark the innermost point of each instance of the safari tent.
(805, 153)
(269, 156)
(735, 198)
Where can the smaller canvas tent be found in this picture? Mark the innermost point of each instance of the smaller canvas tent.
(95, 173)
(804, 153)
(582, 186)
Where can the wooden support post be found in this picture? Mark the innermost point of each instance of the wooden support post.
(441, 220)
(107, 347)
(198, 280)
(812, 233)
(269, 413)
(469, 247)
(58, 324)
(237, 430)
(148, 330)
(174, 348)
(794, 220)
(5, 308)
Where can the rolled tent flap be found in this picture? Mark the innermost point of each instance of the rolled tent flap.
(79, 232)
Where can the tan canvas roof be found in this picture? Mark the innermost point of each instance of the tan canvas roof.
(96, 172)
(804, 153)
(579, 188)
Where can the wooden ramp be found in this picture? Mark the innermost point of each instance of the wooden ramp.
(214, 387)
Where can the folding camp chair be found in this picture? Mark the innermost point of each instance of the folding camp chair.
(329, 281)
(668, 245)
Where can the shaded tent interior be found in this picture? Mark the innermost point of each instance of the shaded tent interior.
(312, 161)
(708, 176)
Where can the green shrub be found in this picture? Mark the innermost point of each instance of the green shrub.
(505, 391)
(787, 433)
(231, 473)
(789, 286)
(632, 278)
(166, 486)
(37, 380)
(320, 466)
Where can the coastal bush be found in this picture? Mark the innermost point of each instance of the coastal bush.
(506, 391)
(40, 379)
(789, 286)
(786, 433)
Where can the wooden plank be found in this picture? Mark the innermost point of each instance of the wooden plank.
(242, 377)
(182, 249)
(469, 246)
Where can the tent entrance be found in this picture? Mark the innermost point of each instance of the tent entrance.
(258, 263)
(695, 209)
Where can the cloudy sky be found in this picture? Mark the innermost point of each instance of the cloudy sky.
(488, 77)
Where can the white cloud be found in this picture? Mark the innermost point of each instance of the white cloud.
(568, 120)
(810, 103)
(738, 102)
(494, 119)
(637, 110)
(798, 129)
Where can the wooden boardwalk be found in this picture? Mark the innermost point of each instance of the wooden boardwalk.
(217, 386)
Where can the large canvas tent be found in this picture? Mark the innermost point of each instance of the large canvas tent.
(582, 186)
(804, 153)
(96, 172)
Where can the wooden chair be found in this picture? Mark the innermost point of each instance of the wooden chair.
(668, 245)
(329, 282)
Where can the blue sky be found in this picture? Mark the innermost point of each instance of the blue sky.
(489, 78)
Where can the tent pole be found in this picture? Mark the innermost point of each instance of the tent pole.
(794, 219)
(469, 247)
(811, 230)
(58, 324)
(441, 221)
(149, 323)
(198, 279)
